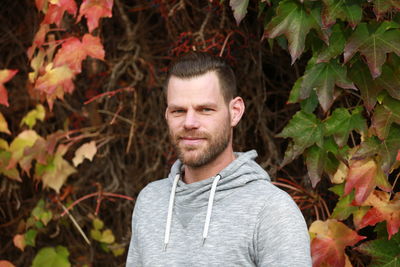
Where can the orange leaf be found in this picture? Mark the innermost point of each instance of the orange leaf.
(5, 76)
(93, 10)
(329, 240)
(56, 11)
(383, 209)
(4, 263)
(73, 52)
(19, 242)
(364, 176)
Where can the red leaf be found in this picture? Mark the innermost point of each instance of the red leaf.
(364, 176)
(73, 52)
(383, 209)
(55, 82)
(93, 10)
(93, 46)
(5, 76)
(329, 240)
(56, 11)
(398, 155)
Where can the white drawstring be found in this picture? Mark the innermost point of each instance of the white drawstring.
(210, 206)
(170, 208)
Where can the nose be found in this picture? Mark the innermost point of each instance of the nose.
(191, 120)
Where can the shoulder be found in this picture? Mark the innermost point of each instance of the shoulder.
(154, 190)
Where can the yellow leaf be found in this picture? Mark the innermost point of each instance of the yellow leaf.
(23, 140)
(87, 150)
(37, 114)
(56, 177)
(3, 144)
(340, 174)
(107, 237)
(4, 125)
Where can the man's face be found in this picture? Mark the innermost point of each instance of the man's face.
(198, 119)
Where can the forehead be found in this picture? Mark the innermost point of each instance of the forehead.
(202, 87)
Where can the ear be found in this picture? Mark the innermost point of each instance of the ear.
(166, 114)
(236, 109)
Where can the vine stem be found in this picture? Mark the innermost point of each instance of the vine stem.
(94, 195)
(394, 184)
(75, 223)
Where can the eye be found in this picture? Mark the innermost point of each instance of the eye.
(177, 111)
(207, 110)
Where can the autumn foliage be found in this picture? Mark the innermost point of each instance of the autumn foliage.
(81, 128)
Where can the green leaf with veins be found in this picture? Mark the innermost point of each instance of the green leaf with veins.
(294, 22)
(390, 80)
(385, 115)
(390, 147)
(323, 77)
(384, 252)
(345, 10)
(368, 87)
(305, 130)
(341, 123)
(335, 47)
(374, 42)
(315, 160)
(343, 208)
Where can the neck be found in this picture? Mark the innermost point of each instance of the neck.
(212, 168)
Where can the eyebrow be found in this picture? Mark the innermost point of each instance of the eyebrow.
(201, 105)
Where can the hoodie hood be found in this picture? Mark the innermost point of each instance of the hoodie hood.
(239, 172)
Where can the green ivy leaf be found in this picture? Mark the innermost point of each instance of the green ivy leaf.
(368, 87)
(385, 115)
(343, 208)
(341, 123)
(389, 148)
(30, 237)
(294, 22)
(323, 77)
(305, 130)
(350, 11)
(239, 8)
(335, 47)
(390, 80)
(37, 114)
(52, 257)
(384, 252)
(374, 43)
(315, 160)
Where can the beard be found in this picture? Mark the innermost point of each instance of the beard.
(196, 156)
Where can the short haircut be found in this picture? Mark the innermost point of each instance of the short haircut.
(195, 64)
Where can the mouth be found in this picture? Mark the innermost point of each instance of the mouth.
(188, 140)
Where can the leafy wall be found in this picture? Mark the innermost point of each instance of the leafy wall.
(82, 131)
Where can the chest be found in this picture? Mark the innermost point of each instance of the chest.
(229, 240)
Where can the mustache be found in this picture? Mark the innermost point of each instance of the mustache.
(191, 134)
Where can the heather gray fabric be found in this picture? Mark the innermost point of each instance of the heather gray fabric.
(253, 223)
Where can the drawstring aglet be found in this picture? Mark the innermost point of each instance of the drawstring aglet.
(165, 247)
(204, 240)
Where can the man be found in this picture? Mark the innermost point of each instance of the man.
(217, 207)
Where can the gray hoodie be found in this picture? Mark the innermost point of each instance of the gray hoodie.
(237, 218)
